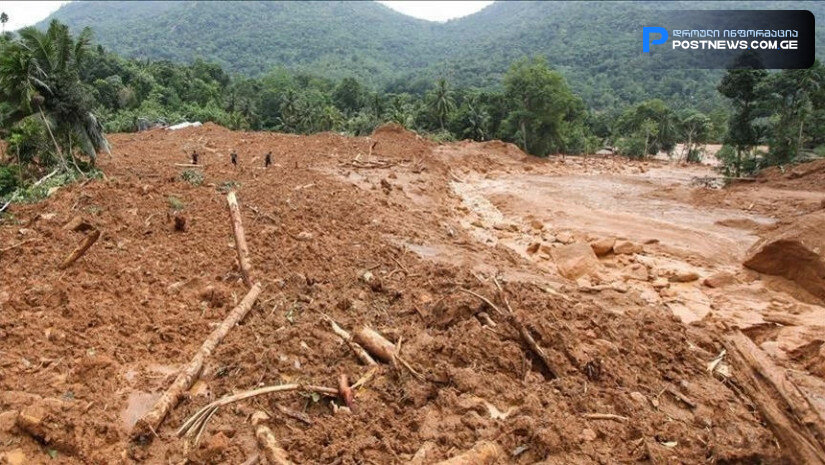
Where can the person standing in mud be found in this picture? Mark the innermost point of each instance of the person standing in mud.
(194, 157)
(233, 157)
(268, 159)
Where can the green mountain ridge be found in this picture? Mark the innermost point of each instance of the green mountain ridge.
(594, 44)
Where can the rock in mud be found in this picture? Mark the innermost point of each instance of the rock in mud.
(575, 260)
(533, 248)
(795, 251)
(721, 279)
(14, 457)
(626, 248)
(635, 271)
(602, 247)
(7, 420)
(683, 276)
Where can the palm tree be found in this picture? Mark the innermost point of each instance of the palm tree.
(4, 18)
(441, 101)
(39, 74)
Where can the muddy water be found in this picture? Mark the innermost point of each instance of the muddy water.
(621, 206)
(639, 207)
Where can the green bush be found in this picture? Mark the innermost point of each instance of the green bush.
(632, 147)
(175, 203)
(9, 179)
(29, 141)
(193, 177)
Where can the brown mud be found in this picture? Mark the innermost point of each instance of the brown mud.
(388, 237)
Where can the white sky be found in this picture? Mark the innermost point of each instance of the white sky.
(23, 14)
(436, 11)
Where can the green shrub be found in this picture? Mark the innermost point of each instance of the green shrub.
(632, 147)
(193, 177)
(9, 179)
(175, 203)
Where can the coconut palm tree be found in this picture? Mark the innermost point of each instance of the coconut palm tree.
(441, 101)
(39, 75)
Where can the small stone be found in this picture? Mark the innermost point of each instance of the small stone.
(684, 276)
(533, 248)
(588, 435)
(660, 283)
(720, 279)
(564, 237)
(7, 420)
(14, 457)
(626, 248)
(602, 247)
(635, 271)
(638, 397)
(304, 236)
(538, 225)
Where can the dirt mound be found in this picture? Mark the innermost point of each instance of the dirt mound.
(332, 232)
(810, 176)
(795, 251)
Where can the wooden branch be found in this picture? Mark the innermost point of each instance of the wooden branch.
(522, 330)
(362, 354)
(345, 392)
(240, 239)
(78, 252)
(274, 454)
(379, 346)
(375, 344)
(197, 421)
(801, 431)
(483, 453)
(150, 422)
(605, 416)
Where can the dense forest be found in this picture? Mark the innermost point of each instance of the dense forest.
(60, 92)
(594, 45)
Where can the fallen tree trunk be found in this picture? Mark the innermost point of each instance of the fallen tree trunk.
(240, 239)
(801, 431)
(149, 423)
(274, 454)
(483, 453)
(78, 252)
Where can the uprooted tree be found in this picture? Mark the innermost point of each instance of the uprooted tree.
(46, 110)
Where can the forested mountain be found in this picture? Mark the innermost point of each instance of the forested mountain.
(594, 44)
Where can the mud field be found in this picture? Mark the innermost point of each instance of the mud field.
(628, 275)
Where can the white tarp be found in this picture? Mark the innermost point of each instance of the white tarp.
(184, 125)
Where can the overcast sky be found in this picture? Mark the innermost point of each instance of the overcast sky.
(23, 14)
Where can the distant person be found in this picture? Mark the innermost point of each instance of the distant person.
(233, 157)
(194, 157)
(268, 159)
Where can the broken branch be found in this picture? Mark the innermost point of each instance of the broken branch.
(152, 419)
(362, 354)
(240, 239)
(522, 330)
(197, 422)
(274, 454)
(345, 391)
(81, 249)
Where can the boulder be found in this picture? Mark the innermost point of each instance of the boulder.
(602, 247)
(683, 276)
(720, 279)
(635, 271)
(575, 260)
(795, 251)
(623, 247)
